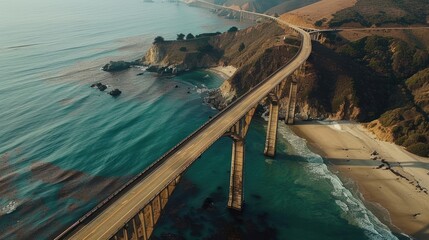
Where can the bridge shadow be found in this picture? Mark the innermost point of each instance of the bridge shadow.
(369, 162)
(423, 233)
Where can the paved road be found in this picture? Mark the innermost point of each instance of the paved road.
(113, 218)
(369, 29)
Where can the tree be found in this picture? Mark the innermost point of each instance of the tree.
(180, 36)
(241, 47)
(189, 36)
(158, 39)
(276, 15)
(233, 29)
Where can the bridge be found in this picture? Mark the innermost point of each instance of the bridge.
(133, 210)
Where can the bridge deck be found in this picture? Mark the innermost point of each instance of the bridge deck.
(117, 214)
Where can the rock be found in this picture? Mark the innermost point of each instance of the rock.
(116, 66)
(152, 68)
(177, 86)
(208, 204)
(139, 74)
(116, 92)
(374, 153)
(100, 86)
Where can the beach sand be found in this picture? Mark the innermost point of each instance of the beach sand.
(224, 72)
(396, 180)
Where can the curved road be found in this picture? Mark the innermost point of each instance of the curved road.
(177, 160)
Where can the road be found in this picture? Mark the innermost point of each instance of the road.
(369, 29)
(114, 217)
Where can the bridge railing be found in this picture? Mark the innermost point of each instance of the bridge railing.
(151, 168)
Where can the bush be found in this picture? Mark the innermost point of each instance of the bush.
(206, 49)
(421, 149)
(189, 36)
(241, 47)
(180, 36)
(158, 39)
(233, 29)
(414, 139)
(183, 49)
(318, 23)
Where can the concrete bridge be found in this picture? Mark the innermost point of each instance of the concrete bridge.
(134, 209)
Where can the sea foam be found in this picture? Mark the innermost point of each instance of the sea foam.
(9, 207)
(354, 211)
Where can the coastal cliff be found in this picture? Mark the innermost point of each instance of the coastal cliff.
(365, 81)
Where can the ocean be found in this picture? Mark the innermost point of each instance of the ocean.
(65, 146)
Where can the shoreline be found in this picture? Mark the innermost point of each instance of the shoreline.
(223, 72)
(391, 180)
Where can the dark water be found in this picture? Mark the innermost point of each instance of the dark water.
(65, 146)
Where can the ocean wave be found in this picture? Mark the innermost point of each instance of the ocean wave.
(9, 207)
(353, 209)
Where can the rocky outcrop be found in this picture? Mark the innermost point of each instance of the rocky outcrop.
(99, 86)
(116, 66)
(115, 93)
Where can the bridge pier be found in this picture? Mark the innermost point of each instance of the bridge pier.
(291, 105)
(270, 142)
(238, 134)
(273, 119)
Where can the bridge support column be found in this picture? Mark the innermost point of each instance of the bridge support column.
(290, 114)
(270, 142)
(238, 133)
(273, 119)
(235, 199)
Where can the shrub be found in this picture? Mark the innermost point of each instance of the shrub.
(189, 36)
(414, 139)
(421, 149)
(241, 47)
(158, 39)
(205, 49)
(318, 23)
(233, 29)
(180, 36)
(183, 49)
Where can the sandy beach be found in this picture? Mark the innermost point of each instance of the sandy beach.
(386, 175)
(224, 72)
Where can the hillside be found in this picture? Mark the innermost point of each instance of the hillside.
(379, 80)
(265, 6)
(382, 12)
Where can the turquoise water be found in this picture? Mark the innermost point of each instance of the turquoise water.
(65, 146)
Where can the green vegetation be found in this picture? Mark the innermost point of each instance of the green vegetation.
(318, 23)
(378, 12)
(418, 80)
(389, 57)
(233, 29)
(180, 36)
(189, 36)
(241, 47)
(207, 34)
(410, 129)
(158, 39)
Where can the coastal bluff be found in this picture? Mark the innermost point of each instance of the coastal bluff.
(341, 80)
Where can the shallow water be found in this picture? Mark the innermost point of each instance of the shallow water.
(65, 146)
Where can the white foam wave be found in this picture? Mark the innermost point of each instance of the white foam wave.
(9, 207)
(354, 211)
(332, 124)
